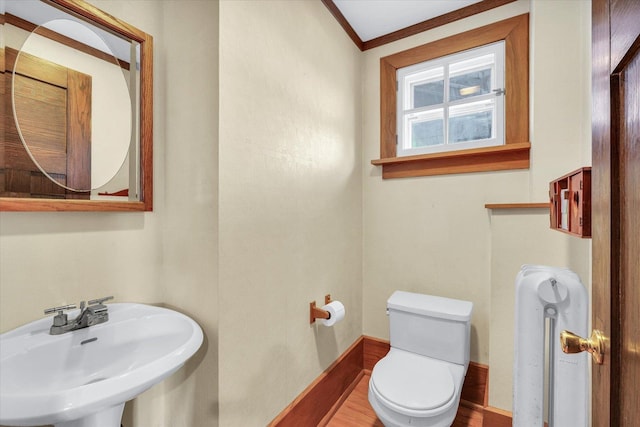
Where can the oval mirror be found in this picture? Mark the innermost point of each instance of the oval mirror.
(72, 110)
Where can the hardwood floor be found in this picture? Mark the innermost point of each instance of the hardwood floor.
(339, 396)
(355, 411)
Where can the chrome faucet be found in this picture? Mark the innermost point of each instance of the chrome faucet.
(92, 313)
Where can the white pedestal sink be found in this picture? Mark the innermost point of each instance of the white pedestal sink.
(83, 378)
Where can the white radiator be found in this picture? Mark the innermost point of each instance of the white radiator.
(557, 295)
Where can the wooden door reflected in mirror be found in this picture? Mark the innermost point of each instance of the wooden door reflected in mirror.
(55, 117)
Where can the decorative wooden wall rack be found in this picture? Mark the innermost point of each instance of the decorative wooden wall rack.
(570, 202)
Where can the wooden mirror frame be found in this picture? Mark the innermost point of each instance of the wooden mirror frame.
(100, 18)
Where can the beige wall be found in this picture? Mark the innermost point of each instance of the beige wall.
(290, 201)
(433, 234)
(189, 54)
(165, 257)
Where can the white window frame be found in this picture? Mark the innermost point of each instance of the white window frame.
(424, 72)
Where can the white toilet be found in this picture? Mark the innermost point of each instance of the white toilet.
(418, 383)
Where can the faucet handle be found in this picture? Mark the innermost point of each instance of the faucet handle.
(100, 300)
(59, 319)
(60, 309)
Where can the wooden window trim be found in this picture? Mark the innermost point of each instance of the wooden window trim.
(513, 155)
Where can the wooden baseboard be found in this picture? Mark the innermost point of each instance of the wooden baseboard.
(374, 350)
(319, 401)
(494, 417)
(476, 386)
(340, 401)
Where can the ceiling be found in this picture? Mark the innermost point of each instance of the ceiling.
(372, 23)
(374, 18)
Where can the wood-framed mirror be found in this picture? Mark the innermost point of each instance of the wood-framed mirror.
(59, 125)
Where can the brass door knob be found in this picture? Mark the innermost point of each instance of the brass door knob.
(572, 343)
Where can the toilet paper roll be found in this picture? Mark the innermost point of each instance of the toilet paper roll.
(336, 310)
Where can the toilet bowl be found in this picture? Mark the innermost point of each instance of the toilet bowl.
(411, 390)
(418, 383)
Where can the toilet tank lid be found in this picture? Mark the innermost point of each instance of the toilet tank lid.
(430, 305)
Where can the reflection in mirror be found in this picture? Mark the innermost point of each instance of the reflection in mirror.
(87, 100)
(76, 109)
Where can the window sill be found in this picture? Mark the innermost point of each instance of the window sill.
(504, 157)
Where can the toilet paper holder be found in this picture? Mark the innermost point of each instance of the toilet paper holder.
(318, 313)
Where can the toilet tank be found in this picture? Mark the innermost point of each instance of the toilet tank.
(431, 326)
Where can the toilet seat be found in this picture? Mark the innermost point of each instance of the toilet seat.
(412, 384)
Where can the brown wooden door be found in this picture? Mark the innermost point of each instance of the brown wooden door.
(54, 108)
(616, 209)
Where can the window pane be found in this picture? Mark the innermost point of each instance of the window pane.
(427, 132)
(447, 103)
(471, 122)
(426, 94)
(470, 84)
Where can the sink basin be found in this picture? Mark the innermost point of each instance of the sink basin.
(83, 378)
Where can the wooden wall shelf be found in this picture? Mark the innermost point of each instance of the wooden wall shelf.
(544, 205)
(570, 199)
